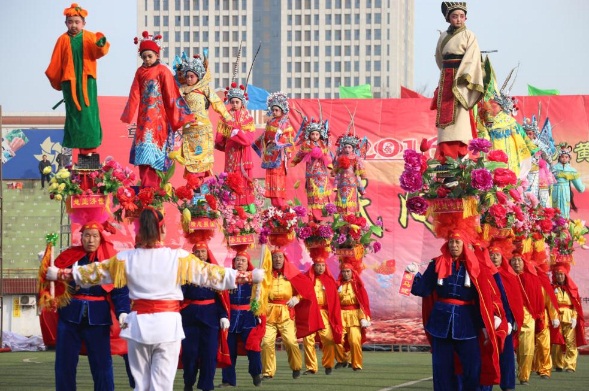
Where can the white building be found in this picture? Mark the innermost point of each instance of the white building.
(309, 47)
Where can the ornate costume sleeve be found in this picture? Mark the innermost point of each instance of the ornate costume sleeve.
(218, 105)
(111, 271)
(54, 71)
(578, 184)
(177, 109)
(191, 270)
(131, 107)
(301, 154)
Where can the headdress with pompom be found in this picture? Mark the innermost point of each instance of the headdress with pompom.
(148, 42)
(196, 65)
(75, 10)
(278, 99)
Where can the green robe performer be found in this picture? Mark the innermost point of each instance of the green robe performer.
(461, 83)
(73, 70)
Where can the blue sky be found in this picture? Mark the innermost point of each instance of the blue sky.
(548, 39)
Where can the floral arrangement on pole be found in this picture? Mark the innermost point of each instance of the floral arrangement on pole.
(353, 236)
(468, 185)
(278, 224)
(131, 200)
(240, 222)
(198, 212)
(563, 238)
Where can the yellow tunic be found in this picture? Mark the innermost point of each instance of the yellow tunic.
(279, 321)
(542, 362)
(351, 324)
(326, 335)
(565, 358)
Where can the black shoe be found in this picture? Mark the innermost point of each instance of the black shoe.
(187, 388)
(307, 372)
(558, 369)
(341, 365)
(328, 371)
(544, 377)
(570, 370)
(257, 380)
(296, 374)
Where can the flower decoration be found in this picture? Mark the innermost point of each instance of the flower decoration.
(278, 224)
(472, 180)
(63, 184)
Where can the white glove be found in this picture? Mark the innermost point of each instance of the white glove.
(364, 323)
(555, 323)
(509, 328)
(123, 320)
(224, 323)
(486, 334)
(234, 132)
(52, 272)
(412, 268)
(258, 275)
(292, 302)
(573, 323)
(496, 322)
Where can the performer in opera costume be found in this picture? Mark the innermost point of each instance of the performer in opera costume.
(72, 70)
(205, 320)
(84, 315)
(572, 320)
(246, 330)
(274, 146)
(348, 170)
(291, 311)
(197, 139)
(154, 274)
(162, 111)
(331, 314)
(235, 137)
(461, 83)
(466, 311)
(317, 156)
(566, 176)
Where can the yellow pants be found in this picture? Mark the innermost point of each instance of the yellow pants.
(542, 362)
(354, 338)
(289, 339)
(326, 336)
(566, 358)
(525, 349)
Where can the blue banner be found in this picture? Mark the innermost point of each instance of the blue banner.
(25, 162)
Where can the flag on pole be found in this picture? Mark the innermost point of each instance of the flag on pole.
(256, 98)
(407, 93)
(535, 91)
(363, 91)
(489, 80)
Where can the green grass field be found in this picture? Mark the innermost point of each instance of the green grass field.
(382, 371)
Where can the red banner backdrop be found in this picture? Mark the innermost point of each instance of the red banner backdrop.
(392, 126)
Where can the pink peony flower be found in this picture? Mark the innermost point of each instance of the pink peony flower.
(481, 179)
(478, 145)
(417, 205)
(411, 181)
(497, 155)
(316, 153)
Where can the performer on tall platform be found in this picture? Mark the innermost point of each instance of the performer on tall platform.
(274, 146)
(461, 83)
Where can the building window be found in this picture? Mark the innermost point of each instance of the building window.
(316, 51)
(226, 21)
(186, 5)
(205, 21)
(177, 51)
(205, 36)
(356, 66)
(156, 5)
(307, 67)
(328, 50)
(316, 82)
(316, 66)
(328, 67)
(356, 81)
(298, 67)
(307, 82)
(217, 52)
(187, 36)
(187, 21)
(338, 19)
(338, 35)
(328, 35)
(338, 4)
(328, 19)
(377, 18)
(356, 19)
(235, 36)
(289, 20)
(177, 5)
(347, 66)
(377, 50)
(196, 36)
(307, 20)
(337, 67)
(235, 20)
(368, 50)
(226, 68)
(166, 21)
(166, 36)
(298, 20)
(289, 66)
(217, 36)
(217, 20)
(377, 34)
(156, 21)
(348, 19)
(243, 20)
(307, 35)
(307, 51)
(225, 52)
(298, 82)
(377, 81)
(348, 81)
(378, 3)
(347, 50)
(377, 66)
(289, 51)
(217, 5)
(328, 82)
(225, 36)
(298, 36)
(195, 4)
(298, 51)
(289, 83)
(177, 21)
(166, 5)
(356, 50)
(368, 65)
(328, 4)
(195, 21)
(338, 51)
(298, 4)
(348, 35)
(316, 19)
(177, 36)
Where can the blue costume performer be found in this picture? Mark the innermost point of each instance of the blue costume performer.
(87, 318)
(203, 311)
(464, 309)
(245, 327)
(565, 174)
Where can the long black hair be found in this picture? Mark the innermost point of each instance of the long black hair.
(150, 222)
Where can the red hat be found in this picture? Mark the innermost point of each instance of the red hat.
(148, 42)
(319, 254)
(244, 254)
(75, 10)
